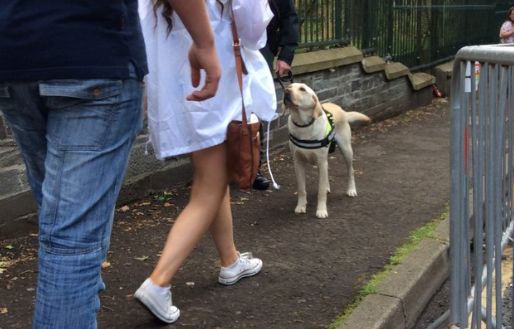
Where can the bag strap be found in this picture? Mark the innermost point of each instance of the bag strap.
(240, 67)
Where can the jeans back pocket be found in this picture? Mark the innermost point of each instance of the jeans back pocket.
(80, 112)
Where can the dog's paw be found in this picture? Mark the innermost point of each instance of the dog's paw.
(321, 213)
(300, 210)
(351, 192)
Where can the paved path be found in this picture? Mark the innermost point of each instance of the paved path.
(312, 267)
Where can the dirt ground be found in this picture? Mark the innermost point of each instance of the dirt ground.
(313, 267)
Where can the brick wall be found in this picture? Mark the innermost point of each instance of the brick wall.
(372, 94)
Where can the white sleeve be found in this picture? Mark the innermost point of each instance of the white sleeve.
(252, 17)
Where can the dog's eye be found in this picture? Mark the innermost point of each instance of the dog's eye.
(302, 89)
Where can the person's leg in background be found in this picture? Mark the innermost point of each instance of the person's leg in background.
(261, 182)
(90, 128)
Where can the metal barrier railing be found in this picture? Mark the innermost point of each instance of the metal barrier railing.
(482, 168)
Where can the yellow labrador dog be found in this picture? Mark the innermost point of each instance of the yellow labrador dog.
(312, 127)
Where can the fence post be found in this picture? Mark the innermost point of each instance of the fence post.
(366, 20)
(390, 26)
(434, 32)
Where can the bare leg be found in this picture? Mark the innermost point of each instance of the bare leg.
(223, 234)
(207, 194)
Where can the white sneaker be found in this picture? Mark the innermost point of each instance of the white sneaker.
(244, 266)
(158, 301)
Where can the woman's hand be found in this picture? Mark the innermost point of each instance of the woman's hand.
(206, 59)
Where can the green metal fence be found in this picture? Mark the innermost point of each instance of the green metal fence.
(418, 33)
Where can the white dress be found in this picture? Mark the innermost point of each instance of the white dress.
(178, 126)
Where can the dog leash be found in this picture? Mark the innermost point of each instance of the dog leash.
(285, 78)
(281, 80)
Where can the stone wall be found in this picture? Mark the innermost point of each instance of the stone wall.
(4, 132)
(342, 76)
(353, 89)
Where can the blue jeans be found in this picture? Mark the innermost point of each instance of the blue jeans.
(75, 137)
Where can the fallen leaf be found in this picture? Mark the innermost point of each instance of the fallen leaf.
(9, 246)
(167, 205)
(190, 284)
(106, 264)
(124, 208)
(142, 258)
(145, 203)
(3, 310)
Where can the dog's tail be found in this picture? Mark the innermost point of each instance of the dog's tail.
(357, 117)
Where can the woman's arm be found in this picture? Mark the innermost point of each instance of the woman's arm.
(506, 30)
(202, 54)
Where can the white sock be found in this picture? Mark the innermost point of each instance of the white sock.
(234, 264)
(155, 288)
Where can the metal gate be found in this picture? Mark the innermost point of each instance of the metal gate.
(482, 167)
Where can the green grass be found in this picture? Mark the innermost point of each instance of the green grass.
(424, 232)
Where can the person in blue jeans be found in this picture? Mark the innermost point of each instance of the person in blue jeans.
(71, 92)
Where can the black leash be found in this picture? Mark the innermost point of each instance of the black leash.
(285, 78)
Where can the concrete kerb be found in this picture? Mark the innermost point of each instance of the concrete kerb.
(407, 289)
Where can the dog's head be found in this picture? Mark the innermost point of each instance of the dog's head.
(298, 97)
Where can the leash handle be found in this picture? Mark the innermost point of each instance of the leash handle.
(284, 78)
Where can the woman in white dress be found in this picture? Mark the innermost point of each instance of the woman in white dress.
(178, 126)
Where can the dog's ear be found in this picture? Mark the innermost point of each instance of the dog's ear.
(316, 112)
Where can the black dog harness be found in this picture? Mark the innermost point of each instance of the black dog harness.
(328, 141)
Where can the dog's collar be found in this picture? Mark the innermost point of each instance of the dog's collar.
(316, 144)
(305, 125)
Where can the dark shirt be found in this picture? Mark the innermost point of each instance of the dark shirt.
(282, 32)
(70, 39)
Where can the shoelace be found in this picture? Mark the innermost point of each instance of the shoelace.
(246, 255)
